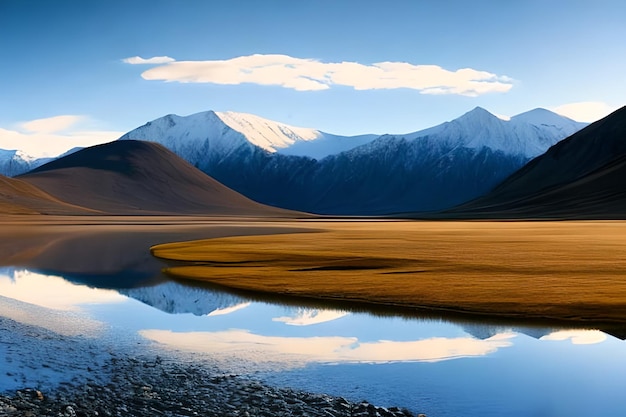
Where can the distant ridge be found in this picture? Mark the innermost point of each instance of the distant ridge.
(14, 162)
(135, 177)
(583, 177)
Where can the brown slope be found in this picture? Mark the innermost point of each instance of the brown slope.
(20, 197)
(135, 177)
(583, 176)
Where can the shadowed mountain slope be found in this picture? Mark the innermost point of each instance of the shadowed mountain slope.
(20, 197)
(135, 177)
(583, 176)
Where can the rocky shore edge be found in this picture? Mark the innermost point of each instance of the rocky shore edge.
(162, 387)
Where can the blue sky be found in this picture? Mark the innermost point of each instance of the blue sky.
(67, 75)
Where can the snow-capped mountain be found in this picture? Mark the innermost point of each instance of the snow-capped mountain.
(485, 331)
(304, 169)
(439, 167)
(174, 298)
(221, 133)
(528, 134)
(14, 162)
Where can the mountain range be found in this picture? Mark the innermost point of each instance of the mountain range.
(312, 171)
(578, 177)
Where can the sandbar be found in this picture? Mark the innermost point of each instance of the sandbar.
(569, 271)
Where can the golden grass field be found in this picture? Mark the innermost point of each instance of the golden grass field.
(558, 270)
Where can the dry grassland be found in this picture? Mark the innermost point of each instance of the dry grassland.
(559, 270)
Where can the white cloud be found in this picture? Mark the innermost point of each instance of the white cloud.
(578, 337)
(51, 124)
(309, 75)
(137, 60)
(295, 351)
(53, 136)
(585, 111)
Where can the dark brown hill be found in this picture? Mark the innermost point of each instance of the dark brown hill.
(20, 197)
(583, 176)
(136, 177)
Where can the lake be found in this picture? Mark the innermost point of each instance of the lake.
(437, 365)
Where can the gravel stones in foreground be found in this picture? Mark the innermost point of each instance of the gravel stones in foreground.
(158, 387)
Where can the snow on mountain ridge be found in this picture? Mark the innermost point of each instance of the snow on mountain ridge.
(206, 139)
(528, 134)
(16, 162)
(193, 137)
(16, 154)
(25, 157)
(267, 134)
(223, 132)
(276, 137)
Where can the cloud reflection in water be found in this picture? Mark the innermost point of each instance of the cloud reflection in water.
(577, 337)
(243, 344)
(51, 291)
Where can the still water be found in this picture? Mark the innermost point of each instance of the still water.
(437, 366)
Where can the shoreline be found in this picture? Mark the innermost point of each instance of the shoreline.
(449, 313)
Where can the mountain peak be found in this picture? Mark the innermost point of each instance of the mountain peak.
(541, 116)
(477, 114)
(526, 135)
(478, 111)
(537, 110)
